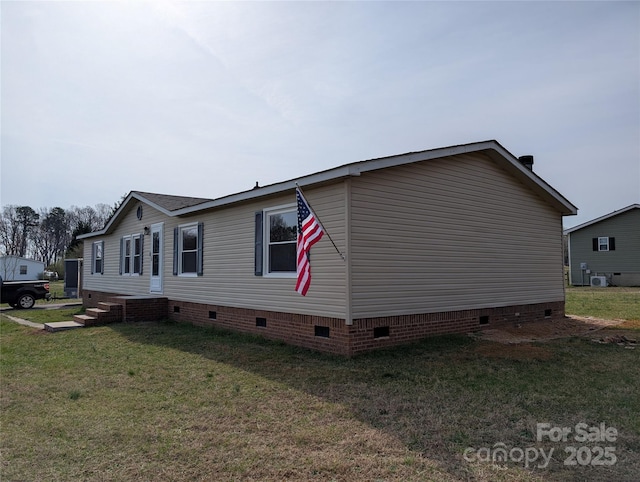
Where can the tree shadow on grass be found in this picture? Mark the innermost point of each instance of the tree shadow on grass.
(438, 397)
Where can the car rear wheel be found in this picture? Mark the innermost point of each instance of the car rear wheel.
(26, 301)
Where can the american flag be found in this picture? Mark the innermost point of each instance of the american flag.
(309, 233)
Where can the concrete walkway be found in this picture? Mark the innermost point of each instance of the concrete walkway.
(38, 326)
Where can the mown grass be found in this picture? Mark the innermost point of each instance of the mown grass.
(607, 303)
(40, 315)
(164, 401)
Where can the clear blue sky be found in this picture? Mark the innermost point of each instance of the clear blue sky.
(206, 98)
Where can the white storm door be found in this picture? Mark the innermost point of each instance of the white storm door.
(157, 241)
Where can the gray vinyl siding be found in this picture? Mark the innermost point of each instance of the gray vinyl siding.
(228, 259)
(625, 227)
(459, 233)
(229, 278)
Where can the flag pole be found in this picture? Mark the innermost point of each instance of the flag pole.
(320, 222)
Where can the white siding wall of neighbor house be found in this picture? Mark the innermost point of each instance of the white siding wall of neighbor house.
(15, 268)
(455, 234)
(228, 259)
(621, 266)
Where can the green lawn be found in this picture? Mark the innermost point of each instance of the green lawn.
(606, 303)
(164, 401)
(43, 315)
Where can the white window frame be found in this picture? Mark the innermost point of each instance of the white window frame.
(603, 243)
(126, 271)
(23, 269)
(95, 257)
(131, 239)
(181, 229)
(266, 241)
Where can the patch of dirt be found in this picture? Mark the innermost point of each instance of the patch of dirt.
(524, 351)
(627, 341)
(540, 331)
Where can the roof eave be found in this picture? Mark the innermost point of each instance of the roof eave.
(515, 167)
(492, 147)
(356, 168)
(602, 218)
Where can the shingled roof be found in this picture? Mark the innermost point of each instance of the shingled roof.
(184, 206)
(169, 202)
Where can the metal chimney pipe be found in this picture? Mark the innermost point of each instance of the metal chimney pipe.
(527, 161)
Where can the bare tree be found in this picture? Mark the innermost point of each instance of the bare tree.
(9, 230)
(88, 216)
(27, 221)
(103, 214)
(52, 235)
(74, 250)
(16, 226)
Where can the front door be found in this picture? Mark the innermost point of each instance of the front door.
(156, 258)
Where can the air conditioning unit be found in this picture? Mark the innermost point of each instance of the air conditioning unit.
(598, 281)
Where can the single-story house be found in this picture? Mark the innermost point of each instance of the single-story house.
(447, 240)
(16, 268)
(606, 250)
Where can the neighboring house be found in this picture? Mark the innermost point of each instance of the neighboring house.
(15, 268)
(606, 250)
(448, 240)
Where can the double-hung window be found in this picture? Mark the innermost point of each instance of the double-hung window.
(280, 233)
(97, 257)
(604, 243)
(187, 254)
(131, 254)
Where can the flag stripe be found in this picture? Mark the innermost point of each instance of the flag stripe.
(309, 233)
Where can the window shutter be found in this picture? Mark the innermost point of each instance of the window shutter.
(595, 244)
(199, 259)
(121, 254)
(102, 251)
(258, 244)
(612, 244)
(93, 258)
(141, 252)
(175, 251)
